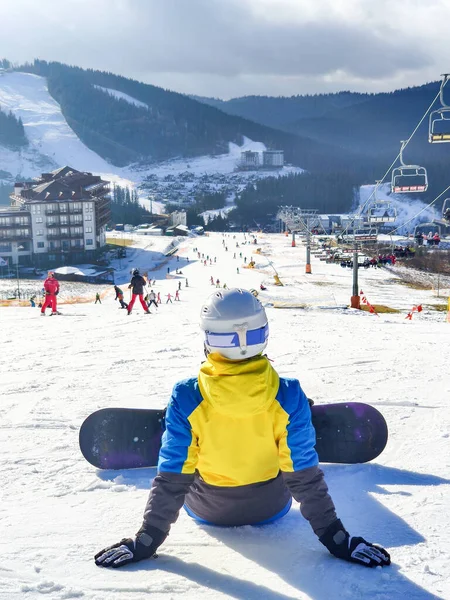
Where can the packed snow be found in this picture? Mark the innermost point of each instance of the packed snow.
(57, 510)
(122, 96)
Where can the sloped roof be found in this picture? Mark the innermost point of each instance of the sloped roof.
(63, 184)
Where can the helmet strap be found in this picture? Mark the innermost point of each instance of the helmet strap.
(241, 330)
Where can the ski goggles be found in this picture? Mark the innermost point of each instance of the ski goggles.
(240, 338)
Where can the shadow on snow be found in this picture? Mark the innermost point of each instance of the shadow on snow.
(290, 549)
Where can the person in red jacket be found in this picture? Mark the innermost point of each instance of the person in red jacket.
(51, 287)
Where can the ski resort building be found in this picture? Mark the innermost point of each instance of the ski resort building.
(249, 160)
(16, 239)
(273, 159)
(59, 218)
(268, 159)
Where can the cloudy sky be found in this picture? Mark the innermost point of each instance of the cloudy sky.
(229, 48)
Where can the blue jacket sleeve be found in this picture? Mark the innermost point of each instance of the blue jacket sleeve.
(297, 445)
(179, 448)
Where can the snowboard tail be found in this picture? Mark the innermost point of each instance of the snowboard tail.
(129, 438)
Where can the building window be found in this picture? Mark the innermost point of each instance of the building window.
(88, 230)
(40, 232)
(64, 231)
(88, 217)
(63, 208)
(22, 232)
(64, 219)
(39, 220)
(5, 221)
(5, 247)
(89, 242)
(40, 245)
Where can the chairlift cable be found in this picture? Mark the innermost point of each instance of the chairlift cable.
(420, 211)
(380, 182)
(404, 144)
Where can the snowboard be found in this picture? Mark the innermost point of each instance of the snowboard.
(128, 438)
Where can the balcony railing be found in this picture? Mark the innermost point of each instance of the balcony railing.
(15, 226)
(14, 238)
(57, 236)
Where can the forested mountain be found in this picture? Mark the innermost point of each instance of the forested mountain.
(281, 111)
(369, 125)
(174, 125)
(12, 133)
(342, 140)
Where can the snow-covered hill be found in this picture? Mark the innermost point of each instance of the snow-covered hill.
(57, 510)
(52, 143)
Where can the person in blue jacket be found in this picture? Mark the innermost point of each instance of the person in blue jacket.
(238, 445)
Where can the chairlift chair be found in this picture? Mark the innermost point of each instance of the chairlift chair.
(432, 226)
(439, 120)
(366, 235)
(439, 126)
(408, 178)
(381, 211)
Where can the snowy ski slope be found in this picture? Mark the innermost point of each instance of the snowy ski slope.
(57, 510)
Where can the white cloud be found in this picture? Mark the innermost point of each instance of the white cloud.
(237, 47)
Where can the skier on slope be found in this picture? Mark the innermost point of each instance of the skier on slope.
(137, 285)
(119, 297)
(152, 299)
(238, 444)
(51, 290)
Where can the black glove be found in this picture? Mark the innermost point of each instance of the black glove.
(57, 292)
(354, 549)
(128, 550)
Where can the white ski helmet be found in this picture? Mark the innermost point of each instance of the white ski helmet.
(235, 324)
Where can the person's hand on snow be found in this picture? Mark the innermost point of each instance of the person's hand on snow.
(129, 550)
(354, 549)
